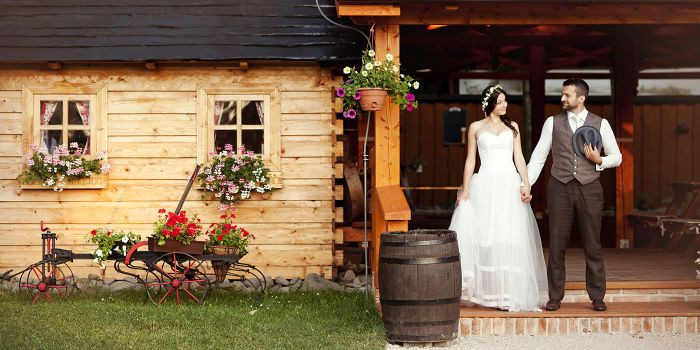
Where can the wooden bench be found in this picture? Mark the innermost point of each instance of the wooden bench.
(683, 231)
(651, 220)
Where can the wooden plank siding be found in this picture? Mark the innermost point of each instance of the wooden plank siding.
(661, 153)
(152, 145)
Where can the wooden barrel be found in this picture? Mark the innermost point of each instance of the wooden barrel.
(420, 285)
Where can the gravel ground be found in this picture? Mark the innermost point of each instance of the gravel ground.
(575, 341)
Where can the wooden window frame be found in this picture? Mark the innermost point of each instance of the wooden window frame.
(206, 98)
(33, 93)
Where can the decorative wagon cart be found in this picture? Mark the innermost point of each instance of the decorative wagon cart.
(180, 274)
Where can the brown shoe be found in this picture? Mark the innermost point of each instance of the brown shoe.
(553, 305)
(599, 305)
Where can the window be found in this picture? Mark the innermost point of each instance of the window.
(241, 118)
(60, 114)
(62, 120)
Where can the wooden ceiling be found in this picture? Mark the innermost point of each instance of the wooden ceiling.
(518, 12)
(506, 49)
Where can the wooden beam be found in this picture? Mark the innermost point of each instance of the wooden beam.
(386, 156)
(393, 203)
(624, 84)
(538, 59)
(540, 13)
(368, 10)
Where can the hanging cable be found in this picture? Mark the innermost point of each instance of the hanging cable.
(369, 42)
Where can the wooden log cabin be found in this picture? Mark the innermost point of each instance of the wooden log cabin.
(151, 74)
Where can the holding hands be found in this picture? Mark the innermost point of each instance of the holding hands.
(525, 195)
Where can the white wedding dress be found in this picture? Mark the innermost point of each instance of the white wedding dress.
(499, 242)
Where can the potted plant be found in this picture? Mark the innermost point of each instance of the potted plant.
(232, 176)
(176, 232)
(65, 164)
(367, 86)
(225, 238)
(111, 244)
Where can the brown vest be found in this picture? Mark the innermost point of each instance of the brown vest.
(566, 165)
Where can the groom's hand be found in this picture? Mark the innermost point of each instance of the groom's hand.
(592, 153)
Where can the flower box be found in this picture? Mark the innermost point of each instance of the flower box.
(97, 181)
(171, 245)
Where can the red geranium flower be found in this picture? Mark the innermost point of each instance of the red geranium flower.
(221, 238)
(223, 216)
(161, 210)
(93, 232)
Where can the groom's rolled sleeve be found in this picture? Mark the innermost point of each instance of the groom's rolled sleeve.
(613, 157)
(541, 151)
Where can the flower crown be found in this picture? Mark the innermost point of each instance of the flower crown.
(485, 101)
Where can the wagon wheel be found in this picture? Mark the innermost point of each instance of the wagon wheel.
(56, 281)
(178, 276)
(252, 278)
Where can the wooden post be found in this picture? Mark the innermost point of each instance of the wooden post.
(537, 72)
(386, 161)
(624, 84)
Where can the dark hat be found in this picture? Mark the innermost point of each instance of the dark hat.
(587, 135)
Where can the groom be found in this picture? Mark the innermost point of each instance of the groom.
(574, 190)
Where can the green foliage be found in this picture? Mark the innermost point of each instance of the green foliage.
(232, 176)
(65, 164)
(225, 233)
(111, 244)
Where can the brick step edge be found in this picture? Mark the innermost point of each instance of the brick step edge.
(578, 325)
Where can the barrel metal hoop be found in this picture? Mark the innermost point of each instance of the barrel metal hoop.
(419, 261)
(420, 324)
(396, 302)
(420, 243)
(417, 338)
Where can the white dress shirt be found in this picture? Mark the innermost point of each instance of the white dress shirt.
(612, 157)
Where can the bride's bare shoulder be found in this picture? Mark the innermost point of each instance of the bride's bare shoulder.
(473, 127)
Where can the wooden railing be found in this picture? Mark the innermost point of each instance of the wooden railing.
(390, 212)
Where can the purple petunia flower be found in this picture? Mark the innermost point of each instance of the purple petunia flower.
(351, 114)
(409, 107)
(357, 96)
(340, 92)
(410, 97)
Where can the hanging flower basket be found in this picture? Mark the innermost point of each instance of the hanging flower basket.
(375, 80)
(372, 99)
(221, 266)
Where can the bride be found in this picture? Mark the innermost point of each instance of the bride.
(499, 243)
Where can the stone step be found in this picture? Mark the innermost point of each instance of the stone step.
(637, 291)
(579, 318)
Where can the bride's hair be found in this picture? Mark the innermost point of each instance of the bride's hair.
(488, 103)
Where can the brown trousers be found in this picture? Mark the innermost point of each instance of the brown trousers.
(585, 202)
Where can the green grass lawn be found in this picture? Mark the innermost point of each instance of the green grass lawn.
(308, 320)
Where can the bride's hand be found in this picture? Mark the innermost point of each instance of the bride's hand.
(525, 195)
(463, 196)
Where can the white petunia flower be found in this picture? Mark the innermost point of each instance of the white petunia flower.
(395, 68)
(98, 253)
(369, 66)
(416, 85)
(347, 70)
(389, 57)
(371, 53)
(364, 73)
